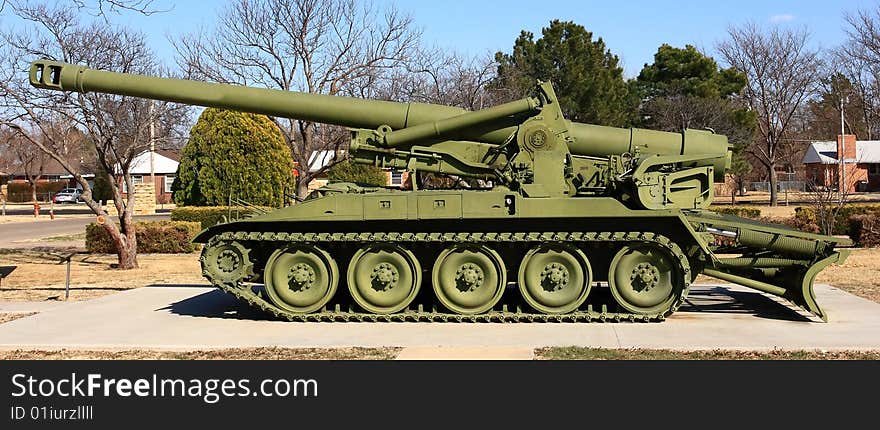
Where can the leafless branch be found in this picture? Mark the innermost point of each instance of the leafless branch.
(782, 73)
(314, 46)
(114, 128)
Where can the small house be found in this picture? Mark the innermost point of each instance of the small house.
(860, 168)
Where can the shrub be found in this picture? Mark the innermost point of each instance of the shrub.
(807, 216)
(234, 154)
(165, 237)
(783, 221)
(364, 174)
(740, 211)
(864, 230)
(20, 192)
(102, 191)
(209, 216)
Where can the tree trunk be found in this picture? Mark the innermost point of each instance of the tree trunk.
(302, 185)
(733, 189)
(127, 258)
(126, 250)
(126, 244)
(774, 180)
(34, 198)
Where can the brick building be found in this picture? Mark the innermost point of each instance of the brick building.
(165, 168)
(861, 163)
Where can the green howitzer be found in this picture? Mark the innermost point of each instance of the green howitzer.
(566, 198)
(526, 144)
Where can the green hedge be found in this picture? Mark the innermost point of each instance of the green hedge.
(20, 192)
(806, 216)
(160, 237)
(209, 216)
(740, 211)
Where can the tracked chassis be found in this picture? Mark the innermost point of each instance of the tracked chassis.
(520, 266)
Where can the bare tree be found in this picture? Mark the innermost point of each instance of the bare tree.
(782, 72)
(29, 161)
(434, 76)
(858, 59)
(114, 127)
(313, 46)
(98, 7)
(828, 200)
(863, 29)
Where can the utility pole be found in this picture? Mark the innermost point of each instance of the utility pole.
(841, 156)
(153, 150)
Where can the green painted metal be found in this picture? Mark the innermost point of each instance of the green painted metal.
(228, 262)
(383, 278)
(469, 279)
(301, 279)
(645, 278)
(555, 279)
(565, 198)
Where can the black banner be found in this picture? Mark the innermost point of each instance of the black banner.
(461, 394)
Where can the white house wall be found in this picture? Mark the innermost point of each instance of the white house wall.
(141, 164)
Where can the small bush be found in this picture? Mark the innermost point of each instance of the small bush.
(20, 192)
(161, 237)
(740, 211)
(364, 174)
(864, 230)
(807, 216)
(783, 221)
(236, 154)
(209, 216)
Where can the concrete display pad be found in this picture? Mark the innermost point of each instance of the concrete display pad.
(200, 317)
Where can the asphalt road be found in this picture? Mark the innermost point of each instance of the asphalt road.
(20, 234)
(61, 209)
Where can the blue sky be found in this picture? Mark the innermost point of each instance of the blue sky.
(631, 29)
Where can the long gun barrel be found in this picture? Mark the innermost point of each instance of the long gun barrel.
(647, 189)
(411, 121)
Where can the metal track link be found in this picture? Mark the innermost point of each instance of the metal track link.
(258, 300)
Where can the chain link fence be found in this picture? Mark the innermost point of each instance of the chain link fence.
(780, 186)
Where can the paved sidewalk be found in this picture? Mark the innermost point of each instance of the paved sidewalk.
(26, 307)
(197, 317)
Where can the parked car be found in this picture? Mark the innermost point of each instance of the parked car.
(68, 195)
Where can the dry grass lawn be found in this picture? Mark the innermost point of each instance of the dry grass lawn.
(44, 217)
(39, 276)
(794, 198)
(6, 317)
(859, 274)
(386, 353)
(581, 353)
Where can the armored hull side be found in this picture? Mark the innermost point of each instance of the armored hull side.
(490, 255)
